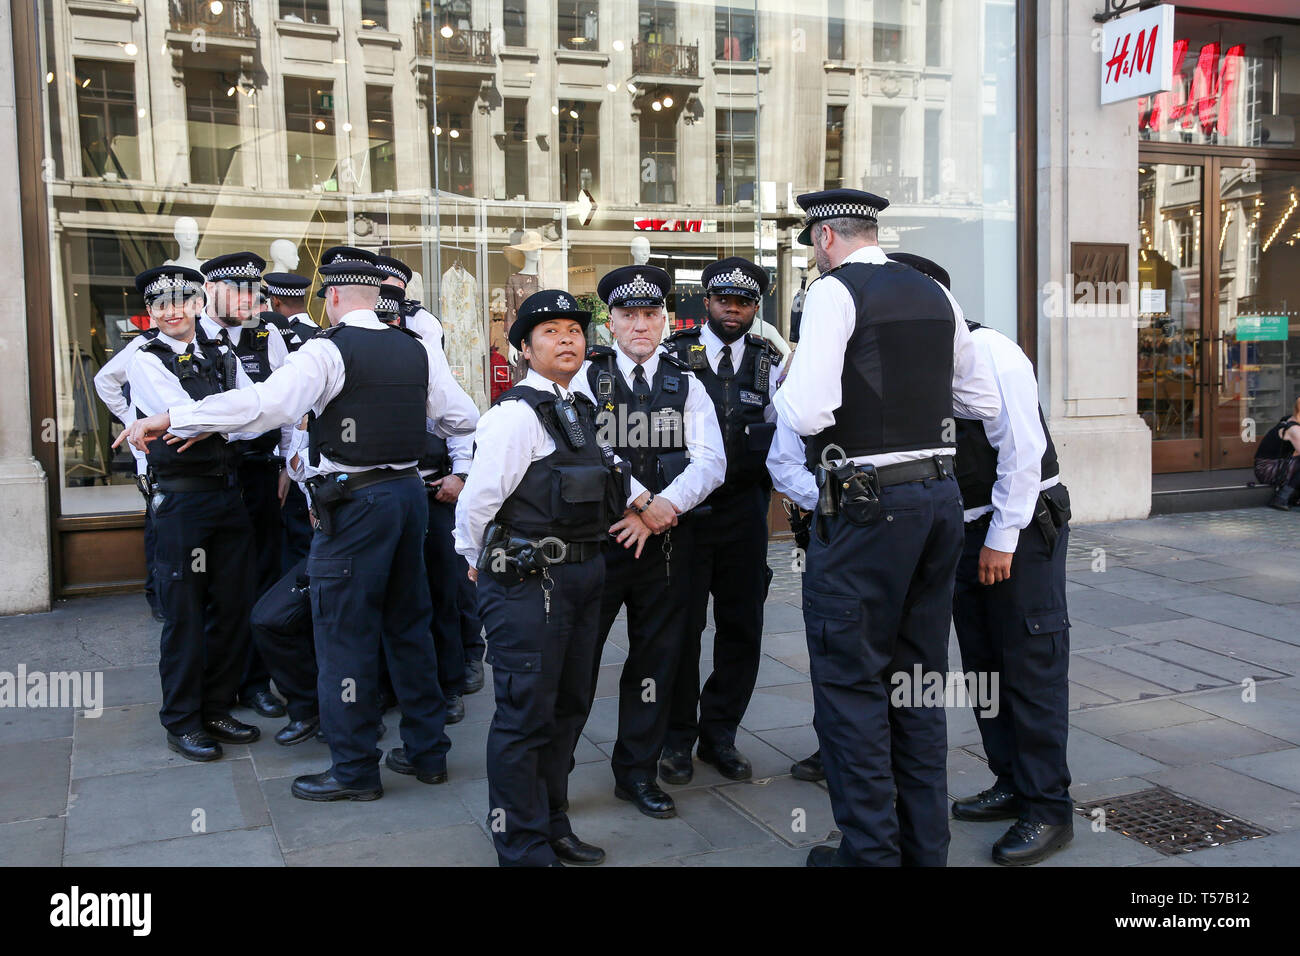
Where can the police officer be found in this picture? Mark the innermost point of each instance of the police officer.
(232, 283)
(288, 313)
(370, 388)
(414, 315)
(1009, 604)
(729, 558)
(884, 359)
(445, 568)
(532, 522)
(203, 552)
(660, 419)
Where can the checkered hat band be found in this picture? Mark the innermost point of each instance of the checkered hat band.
(735, 279)
(638, 288)
(348, 278)
(164, 284)
(247, 270)
(840, 210)
(387, 305)
(390, 269)
(287, 291)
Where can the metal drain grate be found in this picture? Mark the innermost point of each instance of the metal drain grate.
(1169, 823)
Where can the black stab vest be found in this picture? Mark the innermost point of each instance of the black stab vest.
(977, 459)
(378, 418)
(652, 438)
(436, 457)
(200, 376)
(294, 332)
(252, 352)
(746, 437)
(573, 495)
(896, 385)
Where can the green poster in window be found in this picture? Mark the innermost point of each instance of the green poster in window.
(1262, 328)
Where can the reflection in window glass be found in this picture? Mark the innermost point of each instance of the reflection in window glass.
(737, 156)
(659, 158)
(309, 128)
(517, 147)
(305, 11)
(453, 131)
(735, 34)
(834, 177)
(374, 14)
(212, 109)
(657, 21)
(383, 150)
(579, 145)
(835, 30)
(887, 32)
(934, 32)
(515, 22)
(579, 21)
(106, 109)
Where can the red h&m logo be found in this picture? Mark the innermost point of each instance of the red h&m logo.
(1208, 100)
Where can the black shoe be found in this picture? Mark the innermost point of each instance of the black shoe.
(824, 856)
(726, 760)
(1029, 841)
(321, 787)
(455, 709)
(231, 731)
(809, 768)
(572, 850)
(263, 703)
(196, 745)
(473, 677)
(296, 731)
(396, 761)
(1282, 500)
(995, 803)
(649, 799)
(675, 766)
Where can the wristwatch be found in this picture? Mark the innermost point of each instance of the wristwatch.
(642, 510)
(462, 475)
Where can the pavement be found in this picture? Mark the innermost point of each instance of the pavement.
(1185, 650)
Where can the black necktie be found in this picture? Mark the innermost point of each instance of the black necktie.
(224, 338)
(640, 387)
(726, 370)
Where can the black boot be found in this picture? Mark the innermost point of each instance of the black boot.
(1281, 499)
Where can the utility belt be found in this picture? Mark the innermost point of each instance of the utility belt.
(330, 491)
(151, 485)
(509, 556)
(255, 458)
(854, 490)
(1051, 512)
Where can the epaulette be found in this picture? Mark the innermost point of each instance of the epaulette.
(599, 351)
(668, 358)
(155, 345)
(692, 331)
(754, 338)
(330, 331)
(411, 332)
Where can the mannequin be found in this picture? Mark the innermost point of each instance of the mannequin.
(186, 233)
(284, 256)
(519, 287)
(529, 267)
(640, 250)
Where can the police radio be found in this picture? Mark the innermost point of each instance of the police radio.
(569, 423)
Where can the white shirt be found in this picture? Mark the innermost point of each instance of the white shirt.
(276, 350)
(305, 319)
(510, 437)
(154, 389)
(110, 379)
(309, 380)
(808, 399)
(785, 463)
(425, 324)
(704, 448)
(713, 347)
(1017, 435)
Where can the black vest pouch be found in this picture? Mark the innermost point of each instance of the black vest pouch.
(578, 491)
(671, 464)
(758, 440)
(1057, 499)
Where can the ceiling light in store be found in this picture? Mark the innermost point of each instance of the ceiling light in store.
(347, 127)
(573, 114)
(216, 6)
(85, 83)
(668, 102)
(49, 77)
(609, 86)
(320, 125)
(140, 112)
(230, 92)
(656, 106)
(447, 32)
(618, 46)
(555, 111)
(130, 49)
(437, 131)
(631, 87)
(454, 134)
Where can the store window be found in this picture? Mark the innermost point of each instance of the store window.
(887, 32)
(834, 176)
(934, 32)
(735, 34)
(305, 11)
(579, 143)
(516, 149)
(515, 22)
(737, 156)
(383, 148)
(451, 143)
(835, 30)
(1236, 83)
(309, 128)
(579, 22)
(212, 102)
(657, 21)
(107, 115)
(374, 14)
(658, 158)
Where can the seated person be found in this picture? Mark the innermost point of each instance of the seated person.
(1277, 460)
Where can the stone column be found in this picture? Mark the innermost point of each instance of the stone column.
(1087, 192)
(24, 505)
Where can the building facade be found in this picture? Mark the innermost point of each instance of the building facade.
(499, 145)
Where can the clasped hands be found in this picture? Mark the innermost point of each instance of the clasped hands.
(636, 528)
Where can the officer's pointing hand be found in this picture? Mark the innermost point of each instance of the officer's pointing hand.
(630, 530)
(144, 430)
(995, 566)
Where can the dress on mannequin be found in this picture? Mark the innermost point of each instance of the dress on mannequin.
(462, 337)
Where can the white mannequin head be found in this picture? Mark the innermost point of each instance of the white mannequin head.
(186, 232)
(284, 256)
(530, 262)
(640, 250)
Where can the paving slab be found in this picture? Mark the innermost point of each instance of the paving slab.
(1280, 623)
(772, 853)
(771, 707)
(41, 788)
(1143, 715)
(1196, 570)
(1261, 587)
(1280, 769)
(232, 848)
(1116, 684)
(22, 724)
(138, 684)
(1138, 584)
(461, 845)
(1282, 849)
(1274, 709)
(1201, 742)
(720, 822)
(129, 739)
(1138, 663)
(32, 842)
(1111, 610)
(789, 809)
(1236, 794)
(1224, 666)
(1094, 758)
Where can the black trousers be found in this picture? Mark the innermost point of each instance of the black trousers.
(655, 591)
(150, 579)
(203, 556)
(443, 566)
(281, 625)
(877, 601)
(260, 483)
(541, 675)
(368, 588)
(1018, 630)
(296, 518)
(729, 562)
(471, 625)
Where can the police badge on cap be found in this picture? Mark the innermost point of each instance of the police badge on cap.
(336, 254)
(237, 267)
(735, 276)
(838, 204)
(169, 282)
(634, 287)
(542, 307)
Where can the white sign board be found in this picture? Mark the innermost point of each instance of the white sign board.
(1137, 54)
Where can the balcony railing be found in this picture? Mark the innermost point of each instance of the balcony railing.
(219, 18)
(463, 46)
(666, 59)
